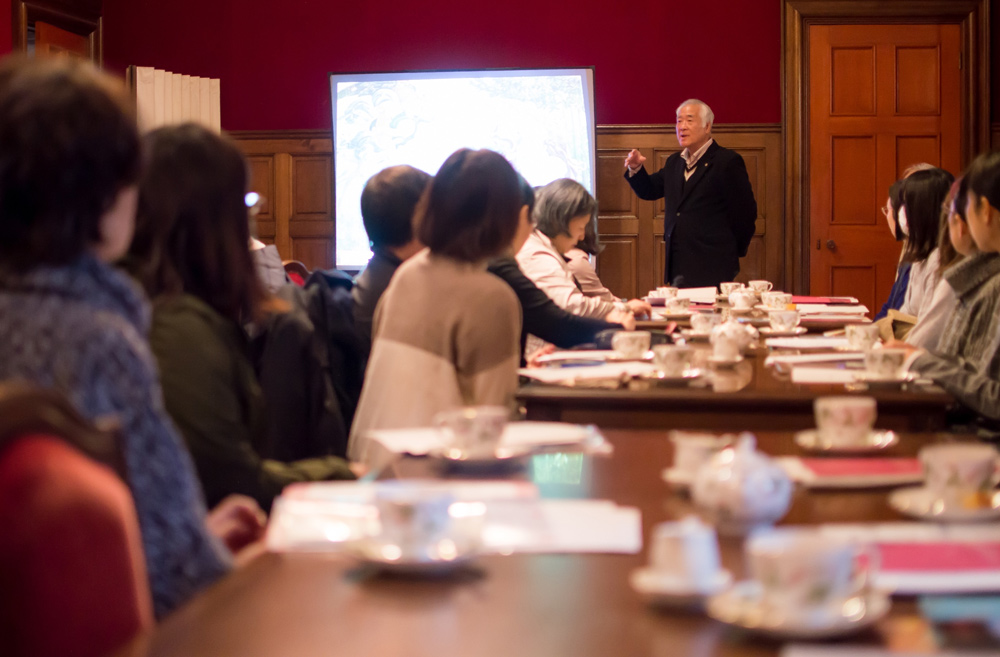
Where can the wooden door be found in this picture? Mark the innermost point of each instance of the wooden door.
(51, 41)
(881, 97)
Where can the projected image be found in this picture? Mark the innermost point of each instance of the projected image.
(541, 121)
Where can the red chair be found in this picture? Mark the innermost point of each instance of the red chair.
(72, 574)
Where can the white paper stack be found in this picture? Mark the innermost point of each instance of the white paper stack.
(698, 294)
(609, 371)
(806, 342)
(817, 375)
(326, 517)
(385, 445)
(831, 309)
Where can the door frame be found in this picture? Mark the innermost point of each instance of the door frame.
(973, 16)
(83, 17)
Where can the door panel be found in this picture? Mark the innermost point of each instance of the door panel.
(882, 97)
(51, 41)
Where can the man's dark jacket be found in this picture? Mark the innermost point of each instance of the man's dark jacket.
(709, 219)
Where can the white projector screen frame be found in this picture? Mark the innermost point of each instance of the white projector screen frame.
(544, 125)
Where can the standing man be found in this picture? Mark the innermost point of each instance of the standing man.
(710, 208)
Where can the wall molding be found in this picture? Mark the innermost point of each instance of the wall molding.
(293, 170)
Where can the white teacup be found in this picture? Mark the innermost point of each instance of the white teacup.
(806, 575)
(783, 320)
(413, 518)
(705, 322)
(776, 300)
(861, 337)
(686, 551)
(475, 430)
(885, 363)
(692, 450)
(677, 305)
(630, 344)
(845, 419)
(959, 473)
(667, 292)
(742, 299)
(760, 287)
(730, 287)
(672, 359)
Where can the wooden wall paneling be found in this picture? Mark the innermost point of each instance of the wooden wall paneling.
(294, 168)
(618, 226)
(995, 136)
(311, 225)
(262, 181)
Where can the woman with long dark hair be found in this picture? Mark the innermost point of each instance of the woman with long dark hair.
(192, 234)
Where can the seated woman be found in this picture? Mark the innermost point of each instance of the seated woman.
(446, 330)
(541, 316)
(923, 195)
(967, 361)
(192, 232)
(892, 211)
(582, 267)
(69, 161)
(563, 208)
(954, 243)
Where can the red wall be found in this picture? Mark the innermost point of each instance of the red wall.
(6, 33)
(273, 57)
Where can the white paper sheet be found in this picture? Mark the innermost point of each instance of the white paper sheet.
(822, 375)
(511, 525)
(831, 309)
(806, 342)
(698, 294)
(582, 354)
(797, 359)
(586, 372)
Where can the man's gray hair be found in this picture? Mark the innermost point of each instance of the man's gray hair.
(707, 115)
(560, 201)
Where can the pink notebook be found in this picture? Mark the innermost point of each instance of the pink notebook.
(852, 472)
(940, 556)
(863, 467)
(826, 300)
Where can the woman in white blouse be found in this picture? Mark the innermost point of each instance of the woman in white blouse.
(924, 193)
(955, 244)
(563, 208)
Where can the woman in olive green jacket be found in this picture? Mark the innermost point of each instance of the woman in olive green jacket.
(192, 240)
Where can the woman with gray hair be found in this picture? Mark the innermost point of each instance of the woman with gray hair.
(563, 208)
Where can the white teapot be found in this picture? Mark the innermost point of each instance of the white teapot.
(740, 489)
(743, 335)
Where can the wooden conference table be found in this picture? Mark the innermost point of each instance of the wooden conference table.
(527, 605)
(749, 396)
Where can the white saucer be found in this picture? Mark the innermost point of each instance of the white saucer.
(667, 590)
(725, 362)
(733, 310)
(919, 502)
(664, 379)
(876, 440)
(767, 331)
(678, 478)
(438, 558)
(741, 606)
(684, 314)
